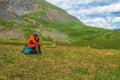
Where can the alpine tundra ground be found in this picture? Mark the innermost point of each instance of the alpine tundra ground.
(59, 62)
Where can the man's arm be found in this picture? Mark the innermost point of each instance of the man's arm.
(35, 42)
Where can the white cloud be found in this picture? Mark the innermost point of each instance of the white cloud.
(100, 22)
(86, 14)
(97, 10)
(74, 2)
(117, 19)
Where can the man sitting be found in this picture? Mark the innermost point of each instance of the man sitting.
(33, 42)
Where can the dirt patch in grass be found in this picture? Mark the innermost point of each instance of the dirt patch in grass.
(11, 34)
(54, 34)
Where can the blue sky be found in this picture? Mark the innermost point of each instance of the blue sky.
(98, 13)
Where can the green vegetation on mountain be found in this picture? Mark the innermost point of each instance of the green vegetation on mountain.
(55, 25)
(46, 4)
(71, 50)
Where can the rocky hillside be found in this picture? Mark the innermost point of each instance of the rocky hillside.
(33, 11)
(20, 18)
(15, 8)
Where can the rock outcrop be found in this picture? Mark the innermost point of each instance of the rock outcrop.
(15, 8)
(59, 16)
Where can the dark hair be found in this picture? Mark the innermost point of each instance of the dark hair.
(35, 34)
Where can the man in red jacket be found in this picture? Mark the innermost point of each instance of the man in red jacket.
(33, 43)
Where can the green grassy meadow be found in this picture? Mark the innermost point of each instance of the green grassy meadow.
(58, 62)
(78, 34)
(91, 53)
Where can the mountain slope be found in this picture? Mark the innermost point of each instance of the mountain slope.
(53, 24)
(41, 11)
(117, 30)
(12, 8)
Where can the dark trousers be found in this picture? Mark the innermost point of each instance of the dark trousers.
(37, 49)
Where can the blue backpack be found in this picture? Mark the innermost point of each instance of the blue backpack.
(28, 50)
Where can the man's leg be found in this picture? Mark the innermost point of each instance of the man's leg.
(38, 50)
(34, 51)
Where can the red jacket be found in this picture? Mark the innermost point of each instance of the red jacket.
(32, 42)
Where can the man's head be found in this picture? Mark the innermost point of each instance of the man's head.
(35, 34)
